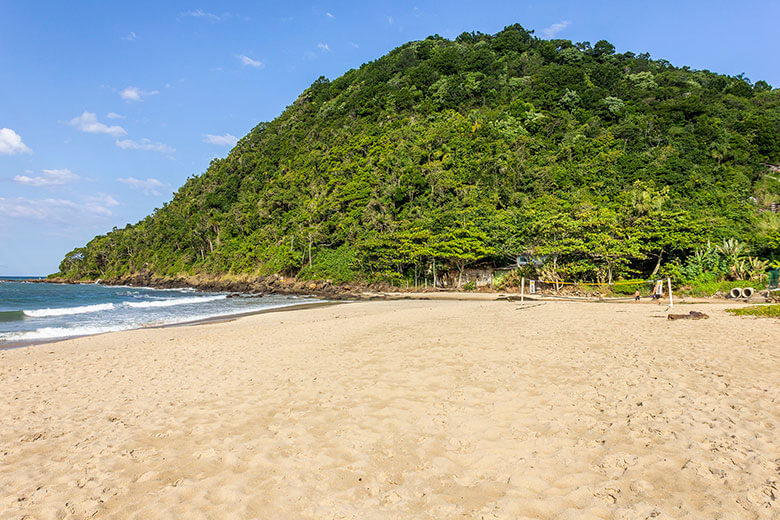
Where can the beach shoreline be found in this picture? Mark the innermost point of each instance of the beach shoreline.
(373, 296)
(441, 295)
(200, 321)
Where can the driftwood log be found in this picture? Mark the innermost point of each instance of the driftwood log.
(693, 315)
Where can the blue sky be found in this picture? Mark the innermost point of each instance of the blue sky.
(107, 107)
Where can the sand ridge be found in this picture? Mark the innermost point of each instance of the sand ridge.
(400, 409)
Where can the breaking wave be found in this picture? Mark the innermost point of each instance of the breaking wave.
(65, 311)
(174, 301)
(56, 332)
(11, 315)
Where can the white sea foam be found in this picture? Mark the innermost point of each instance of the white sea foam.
(57, 332)
(44, 333)
(169, 302)
(65, 311)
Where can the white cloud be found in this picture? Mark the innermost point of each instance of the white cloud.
(323, 46)
(130, 37)
(221, 140)
(87, 122)
(246, 61)
(136, 94)
(144, 144)
(99, 204)
(149, 186)
(329, 15)
(114, 115)
(11, 143)
(390, 19)
(200, 13)
(58, 210)
(49, 178)
(555, 28)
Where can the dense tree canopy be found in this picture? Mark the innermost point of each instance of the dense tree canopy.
(445, 153)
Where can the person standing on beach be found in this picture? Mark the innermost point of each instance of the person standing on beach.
(636, 295)
(658, 291)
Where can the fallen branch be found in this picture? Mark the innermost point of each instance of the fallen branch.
(693, 315)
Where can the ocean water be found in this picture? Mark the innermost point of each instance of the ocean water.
(42, 311)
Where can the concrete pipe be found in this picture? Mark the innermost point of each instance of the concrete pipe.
(747, 292)
(736, 292)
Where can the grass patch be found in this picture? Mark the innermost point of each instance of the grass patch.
(763, 311)
(705, 286)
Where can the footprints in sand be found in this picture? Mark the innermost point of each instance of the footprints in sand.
(416, 410)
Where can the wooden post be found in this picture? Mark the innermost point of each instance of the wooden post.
(522, 289)
(669, 284)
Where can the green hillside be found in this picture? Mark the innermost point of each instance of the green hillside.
(473, 151)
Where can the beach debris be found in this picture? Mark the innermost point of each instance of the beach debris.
(693, 315)
(528, 306)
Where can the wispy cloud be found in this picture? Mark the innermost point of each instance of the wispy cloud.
(136, 94)
(56, 210)
(555, 28)
(11, 143)
(87, 122)
(323, 47)
(329, 15)
(130, 36)
(149, 186)
(144, 144)
(200, 13)
(390, 20)
(114, 115)
(49, 178)
(99, 204)
(221, 140)
(246, 61)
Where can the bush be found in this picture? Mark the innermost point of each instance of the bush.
(628, 286)
(511, 279)
(470, 286)
(333, 264)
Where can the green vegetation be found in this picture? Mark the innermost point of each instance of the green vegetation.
(762, 311)
(443, 154)
(720, 268)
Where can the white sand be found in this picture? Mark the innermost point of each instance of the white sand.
(401, 410)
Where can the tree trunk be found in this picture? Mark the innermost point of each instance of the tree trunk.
(657, 264)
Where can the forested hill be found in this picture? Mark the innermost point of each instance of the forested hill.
(471, 152)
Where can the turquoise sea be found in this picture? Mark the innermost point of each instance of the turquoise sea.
(44, 311)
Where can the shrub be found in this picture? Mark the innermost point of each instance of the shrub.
(334, 264)
(628, 286)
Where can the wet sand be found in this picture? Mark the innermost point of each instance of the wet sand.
(401, 409)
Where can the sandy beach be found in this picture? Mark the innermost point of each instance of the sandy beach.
(401, 410)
